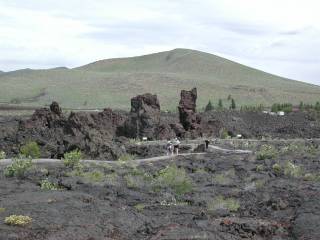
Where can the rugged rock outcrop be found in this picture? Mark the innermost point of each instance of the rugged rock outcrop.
(144, 117)
(187, 110)
(188, 117)
(56, 134)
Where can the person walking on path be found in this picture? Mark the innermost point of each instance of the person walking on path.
(169, 148)
(176, 145)
(207, 143)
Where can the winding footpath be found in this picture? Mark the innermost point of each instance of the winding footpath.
(212, 148)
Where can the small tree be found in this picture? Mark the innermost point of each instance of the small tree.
(209, 107)
(233, 104)
(220, 104)
(229, 97)
(301, 106)
(317, 106)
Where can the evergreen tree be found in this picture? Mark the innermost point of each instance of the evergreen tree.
(233, 104)
(220, 104)
(317, 107)
(301, 106)
(209, 107)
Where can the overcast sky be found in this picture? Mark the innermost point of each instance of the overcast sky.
(277, 36)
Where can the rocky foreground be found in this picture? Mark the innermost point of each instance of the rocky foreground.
(217, 195)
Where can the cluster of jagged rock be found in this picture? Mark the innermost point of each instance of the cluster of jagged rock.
(145, 118)
(104, 135)
(98, 134)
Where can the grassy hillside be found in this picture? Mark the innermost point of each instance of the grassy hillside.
(112, 82)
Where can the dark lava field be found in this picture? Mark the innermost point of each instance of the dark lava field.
(216, 195)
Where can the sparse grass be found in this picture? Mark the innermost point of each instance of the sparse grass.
(292, 170)
(134, 141)
(126, 158)
(2, 155)
(44, 171)
(311, 177)
(259, 184)
(131, 181)
(47, 185)
(292, 148)
(111, 179)
(140, 207)
(94, 176)
(2, 209)
(72, 159)
(174, 178)
(201, 171)
(221, 179)
(30, 149)
(266, 152)
(77, 171)
(18, 220)
(223, 203)
(225, 177)
(300, 148)
(18, 167)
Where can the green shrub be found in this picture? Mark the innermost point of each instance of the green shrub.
(175, 178)
(31, 149)
(310, 177)
(126, 157)
(139, 207)
(224, 134)
(292, 170)
(18, 167)
(259, 168)
(72, 159)
(47, 185)
(2, 155)
(266, 152)
(18, 220)
(224, 203)
(276, 168)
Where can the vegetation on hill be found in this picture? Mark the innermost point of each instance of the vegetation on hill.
(112, 82)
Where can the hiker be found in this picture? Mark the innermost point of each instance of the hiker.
(207, 143)
(176, 144)
(169, 148)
